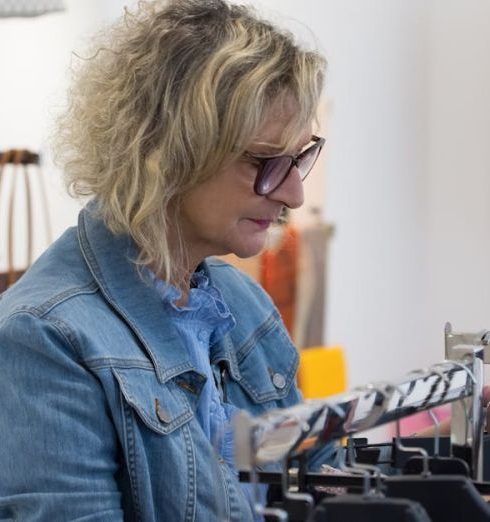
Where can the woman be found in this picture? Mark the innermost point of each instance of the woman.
(125, 350)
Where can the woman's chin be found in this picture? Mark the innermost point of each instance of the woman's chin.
(249, 249)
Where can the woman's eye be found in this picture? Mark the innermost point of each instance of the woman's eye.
(251, 161)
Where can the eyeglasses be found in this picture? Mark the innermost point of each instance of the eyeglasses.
(273, 170)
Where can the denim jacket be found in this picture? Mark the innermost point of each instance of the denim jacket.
(98, 394)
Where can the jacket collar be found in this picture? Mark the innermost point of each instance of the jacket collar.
(109, 258)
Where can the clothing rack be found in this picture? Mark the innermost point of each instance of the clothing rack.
(17, 165)
(283, 435)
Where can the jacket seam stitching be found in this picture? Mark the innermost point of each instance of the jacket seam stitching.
(102, 363)
(224, 481)
(191, 467)
(58, 299)
(131, 449)
(60, 326)
(68, 335)
(251, 342)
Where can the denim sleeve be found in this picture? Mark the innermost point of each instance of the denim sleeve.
(58, 455)
(326, 454)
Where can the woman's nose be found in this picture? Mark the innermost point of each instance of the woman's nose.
(290, 191)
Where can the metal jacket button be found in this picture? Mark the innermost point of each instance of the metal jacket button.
(161, 413)
(278, 380)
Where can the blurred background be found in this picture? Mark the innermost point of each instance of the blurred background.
(402, 192)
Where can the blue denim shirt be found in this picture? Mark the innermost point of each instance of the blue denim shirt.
(201, 323)
(98, 394)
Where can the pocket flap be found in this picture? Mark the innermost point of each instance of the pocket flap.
(162, 407)
(268, 363)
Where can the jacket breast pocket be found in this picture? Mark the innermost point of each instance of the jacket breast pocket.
(268, 361)
(162, 407)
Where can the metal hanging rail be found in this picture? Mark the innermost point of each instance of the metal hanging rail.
(293, 431)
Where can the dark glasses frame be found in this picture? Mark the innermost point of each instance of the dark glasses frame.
(265, 167)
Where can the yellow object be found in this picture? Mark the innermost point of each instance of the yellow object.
(322, 371)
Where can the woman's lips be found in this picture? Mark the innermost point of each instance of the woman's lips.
(262, 223)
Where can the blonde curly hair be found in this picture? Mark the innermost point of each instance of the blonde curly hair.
(172, 92)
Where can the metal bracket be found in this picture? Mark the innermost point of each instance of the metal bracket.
(467, 414)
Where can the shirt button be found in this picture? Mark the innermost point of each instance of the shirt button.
(278, 380)
(202, 336)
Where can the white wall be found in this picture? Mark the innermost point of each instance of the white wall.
(459, 165)
(408, 181)
(377, 184)
(377, 180)
(406, 166)
(35, 54)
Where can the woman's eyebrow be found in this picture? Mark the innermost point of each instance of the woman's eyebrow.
(270, 150)
(265, 149)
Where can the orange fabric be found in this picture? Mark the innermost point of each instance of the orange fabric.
(278, 274)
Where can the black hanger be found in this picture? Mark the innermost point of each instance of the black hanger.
(446, 498)
(369, 508)
(437, 466)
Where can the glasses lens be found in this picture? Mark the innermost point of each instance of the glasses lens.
(272, 174)
(307, 160)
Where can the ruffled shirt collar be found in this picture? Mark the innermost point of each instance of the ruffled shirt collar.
(204, 306)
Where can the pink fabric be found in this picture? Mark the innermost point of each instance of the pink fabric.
(419, 421)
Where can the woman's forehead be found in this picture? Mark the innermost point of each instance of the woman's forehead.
(273, 139)
(281, 129)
